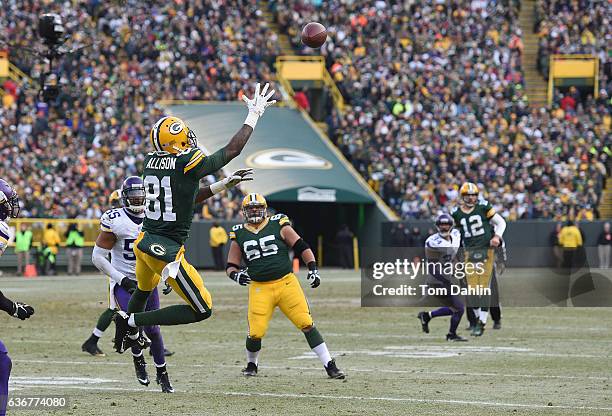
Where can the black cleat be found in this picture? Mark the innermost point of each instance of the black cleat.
(424, 318)
(91, 346)
(497, 324)
(250, 370)
(478, 329)
(163, 380)
(333, 371)
(122, 329)
(141, 370)
(167, 353)
(455, 338)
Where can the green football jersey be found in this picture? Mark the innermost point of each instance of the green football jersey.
(172, 184)
(476, 229)
(265, 252)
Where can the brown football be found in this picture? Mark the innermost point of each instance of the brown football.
(314, 35)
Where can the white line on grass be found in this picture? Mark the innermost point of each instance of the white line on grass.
(351, 369)
(363, 398)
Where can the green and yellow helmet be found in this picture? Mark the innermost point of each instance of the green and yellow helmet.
(469, 194)
(171, 134)
(254, 208)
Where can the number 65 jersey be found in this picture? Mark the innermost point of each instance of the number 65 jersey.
(263, 249)
(126, 228)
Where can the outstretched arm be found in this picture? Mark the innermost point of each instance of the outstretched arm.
(210, 164)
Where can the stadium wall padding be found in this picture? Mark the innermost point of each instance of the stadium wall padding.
(521, 238)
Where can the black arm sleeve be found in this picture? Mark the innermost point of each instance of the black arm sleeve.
(6, 305)
(299, 247)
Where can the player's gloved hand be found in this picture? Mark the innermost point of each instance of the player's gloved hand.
(238, 176)
(128, 284)
(167, 289)
(23, 310)
(241, 277)
(258, 104)
(313, 275)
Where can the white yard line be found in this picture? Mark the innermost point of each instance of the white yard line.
(319, 369)
(475, 403)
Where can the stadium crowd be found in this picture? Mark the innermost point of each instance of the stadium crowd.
(68, 156)
(575, 27)
(435, 90)
(437, 98)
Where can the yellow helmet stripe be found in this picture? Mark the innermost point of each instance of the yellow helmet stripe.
(155, 134)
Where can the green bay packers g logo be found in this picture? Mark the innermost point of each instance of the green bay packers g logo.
(157, 249)
(175, 128)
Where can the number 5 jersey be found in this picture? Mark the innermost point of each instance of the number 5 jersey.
(126, 228)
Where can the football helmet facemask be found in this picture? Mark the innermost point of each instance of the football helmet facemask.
(171, 134)
(133, 194)
(254, 208)
(469, 194)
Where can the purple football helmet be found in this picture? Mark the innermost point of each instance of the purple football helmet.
(133, 194)
(9, 202)
(444, 224)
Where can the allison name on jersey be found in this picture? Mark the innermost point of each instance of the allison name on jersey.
(126, 228)
(475, 226)
(265, 252)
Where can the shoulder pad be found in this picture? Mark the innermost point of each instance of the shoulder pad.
(281, 218)
(108, 218)
(453, 210)
(237, 227)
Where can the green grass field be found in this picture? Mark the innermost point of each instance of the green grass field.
(549, 361)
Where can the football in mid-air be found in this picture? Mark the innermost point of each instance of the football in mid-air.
(314, 35)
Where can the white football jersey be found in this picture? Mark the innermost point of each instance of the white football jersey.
(6, 236)
(449, 247)
(126, 227)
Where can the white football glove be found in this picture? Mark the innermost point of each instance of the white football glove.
(234, 179)
(258, 104)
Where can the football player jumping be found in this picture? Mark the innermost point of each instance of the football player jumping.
(481, 232)
(9, 208)
(263, 243)
(171, 177)
(442, 247)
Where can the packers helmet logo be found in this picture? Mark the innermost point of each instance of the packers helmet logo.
(157, 249)
(176, 127)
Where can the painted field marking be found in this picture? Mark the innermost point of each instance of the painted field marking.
(59, 381)
(318, 369)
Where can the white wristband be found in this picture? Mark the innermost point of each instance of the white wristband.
(217, 187)
(251, 119)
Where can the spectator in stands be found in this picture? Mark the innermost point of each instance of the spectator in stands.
(218, 240)
(604, 246)
(301, 99)
(23, 244)
(75, 241)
